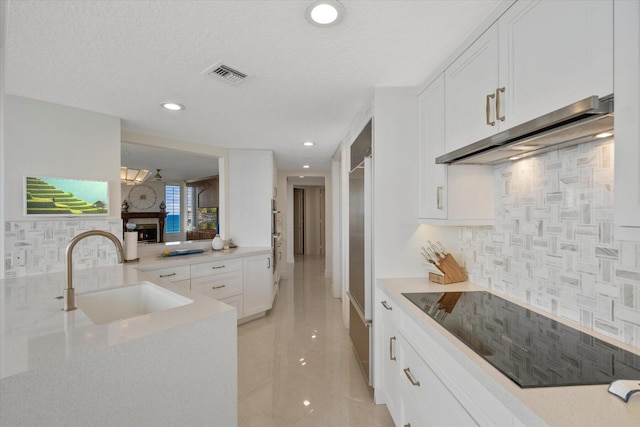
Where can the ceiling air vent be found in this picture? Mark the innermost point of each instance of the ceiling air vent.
(225, 73)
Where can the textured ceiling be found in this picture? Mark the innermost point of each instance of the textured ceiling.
(124, 58)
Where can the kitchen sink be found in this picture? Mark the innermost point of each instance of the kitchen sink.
(129, 301)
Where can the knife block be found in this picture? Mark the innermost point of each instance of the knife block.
(451, 271)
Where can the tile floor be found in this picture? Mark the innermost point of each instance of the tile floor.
(296, 366)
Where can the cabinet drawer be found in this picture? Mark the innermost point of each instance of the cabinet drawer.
(184, 284)
(172, 274)
(216, 267)
(419, 381)
(218, 286)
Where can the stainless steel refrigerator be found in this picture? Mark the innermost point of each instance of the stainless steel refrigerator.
(360, 260)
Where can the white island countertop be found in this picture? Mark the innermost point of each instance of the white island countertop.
(170, 367)
(590, 405)
(36, 332)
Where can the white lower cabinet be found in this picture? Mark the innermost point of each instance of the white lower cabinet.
(258, 295)
(245, 283)
(422, 384)
(389, 322)
(438, 406)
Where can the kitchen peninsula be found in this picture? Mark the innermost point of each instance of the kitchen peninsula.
(60, 366)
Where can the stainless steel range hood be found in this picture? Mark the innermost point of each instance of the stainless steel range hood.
(574, 124)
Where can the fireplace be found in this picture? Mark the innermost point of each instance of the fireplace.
(160, 216)
(147, 233)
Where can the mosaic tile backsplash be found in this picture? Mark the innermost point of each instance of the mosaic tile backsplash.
(553, 246)
(37, 247)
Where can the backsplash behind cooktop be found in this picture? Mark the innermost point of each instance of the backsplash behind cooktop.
(553, 246)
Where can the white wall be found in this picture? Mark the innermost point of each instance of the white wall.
(397, 234)
(250, 194)
(43, 139)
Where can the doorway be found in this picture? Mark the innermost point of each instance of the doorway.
(309, 220)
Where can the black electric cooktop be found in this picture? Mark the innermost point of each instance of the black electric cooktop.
(529, 348)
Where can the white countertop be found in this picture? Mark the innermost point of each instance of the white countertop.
(35, 332)
(581, 406)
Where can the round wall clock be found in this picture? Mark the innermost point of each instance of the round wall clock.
(142, 197)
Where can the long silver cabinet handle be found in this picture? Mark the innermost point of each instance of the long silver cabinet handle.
(413, 381)
(268, 263)
(439, 190)
(488, 109)
(392, 355)
(219, 287)
(498, 116)
(220, 266)
(167, 275)
(385, 305)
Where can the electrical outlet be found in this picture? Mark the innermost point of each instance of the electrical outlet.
(19, 257)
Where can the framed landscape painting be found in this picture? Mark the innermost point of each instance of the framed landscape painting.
(65, 197)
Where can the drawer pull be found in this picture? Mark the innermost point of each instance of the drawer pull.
(168, 275)
(218, 287)
(385, 305)
(392, 355)
(220, 266)
(413, 381)
(439, 197)
(489, 97)
(498, 116)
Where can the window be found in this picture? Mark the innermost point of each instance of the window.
(172, 193)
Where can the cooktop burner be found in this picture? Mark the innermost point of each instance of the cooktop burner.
(529, 348)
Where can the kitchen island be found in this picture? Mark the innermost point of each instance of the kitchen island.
(171, 367)
(473, 384)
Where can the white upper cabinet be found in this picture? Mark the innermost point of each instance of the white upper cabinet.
(448, 195)
(551, 54)
(538, 57)
(471, 83)
(433, 177)
(627, 120)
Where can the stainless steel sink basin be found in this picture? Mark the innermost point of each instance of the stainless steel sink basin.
(129, 301)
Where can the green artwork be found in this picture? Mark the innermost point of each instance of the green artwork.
(61, 196)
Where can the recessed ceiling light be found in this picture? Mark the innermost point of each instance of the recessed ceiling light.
(301, 176)
(514, 158)
(308, 144)
(324, 13)
(306, 166)
(172, 106)
(604, 135)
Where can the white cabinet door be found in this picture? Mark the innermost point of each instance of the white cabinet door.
(449, 195)
(389, 356)
(258, 289)
(553, 53)
(538, 57)
(627, 121)
(438, 405)
(433, 177)
(471, 82)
